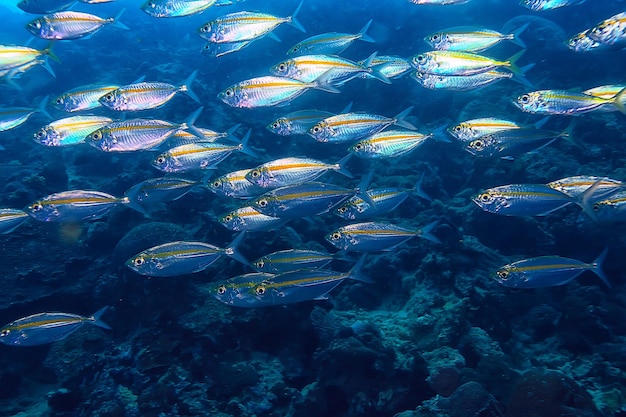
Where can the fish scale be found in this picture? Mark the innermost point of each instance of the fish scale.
(132, 135)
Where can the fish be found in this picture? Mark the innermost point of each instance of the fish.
(11, 219)
(542, 5)
(248, 219)
(472, 39)
(309, 68)
(137, 134)
(607, 92)
(581, 42)
(270, 91)
(604, 208)
(548, 271)
(175, 8)
(44, 328)
(9, 75)
(577, 185)
(513, 142)
(522, 200)
(51, 6)
(349, 127)
(460, 63)
(294, 259)
(289, 171)
(185, 137)
(611, 31)
(182, 258)
(74, 206)
(475, 128)
(386, 199)
(331, 43)
(563, 102)
(152, 191)
(286, 288)
(66, 25)
(460, 82)
(69, 130)
(83, 98)
(12, 117)
(390, 66)
(389, 144)
(234, 185)
(146, 95)
(298, 122)
(377, 236)
(245, 26)
(12, 57)
(301, 200)
(196, 156)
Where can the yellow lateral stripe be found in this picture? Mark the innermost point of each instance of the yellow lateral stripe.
(305, 194)
(79, 200)
(297, 166)
(69, 320)
(358, 121)
(271, 284)
(379, 232)
(550, 266)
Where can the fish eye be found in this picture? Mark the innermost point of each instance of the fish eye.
(40, 134)
(36, 207)
(282, 67)
(335, 236)
(108, 97)
(96, 136)
(295, 49)
(477, 144)
(485, 198)
(316, 129)
(151, 4)
(358, 146)
(259, 264)
(457, 128)
(216, 183)
(420, 58)
(255, 173)
(260, 290)
(502, 274)
(434, 38)
(5, 332)
(160, 160)
(221, 290)
(342, 209)
(59, 101)
(263, 203)
(525, 98)
(138, 261)
(228, 92)
(228, 218)
(596, 207)
(206, 28)
(275, 125)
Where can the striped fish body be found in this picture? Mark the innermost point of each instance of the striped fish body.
(12, 56)
(175, 258)
(133, 135)
(194, 156)
(386, 200)
(454, 63)
(331, 43)
(610, 208)
(291, 260)
(158, 190)
(66, 25)
(73, 206)
(185, 137)
(248, 219)
(349, 127)
(140, 96)
(559, 102)
(390, 66)
(12, 117)
(388, 144)
(577, 185)
(370, 237)
(581, 42)
(82, 98)
(610, 31)
(10, 219)
(288, 171)
(542, 5)
(475, 128)
(70, 130)
(466, 39)
(460, 82)
(44, 6)
(606, 92)
(298, 122)
(511, 142)
(308, 68)
(263, 92)
(175, 8)
(43, 328)
(236, 291)
(542, 272)
(15, 72)
(522, 200)
(301, 200)
(235, 185)
(240, 26)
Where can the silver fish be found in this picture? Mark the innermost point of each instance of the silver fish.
(541, 5)
(331, 43)
(12, 117)
(289, 171)
(235, 185)
(248, 219)
(11, 219)
(175, 8)
(377, 236)
(67, 25)
(69, 130)
(522, 200)
(73, 206)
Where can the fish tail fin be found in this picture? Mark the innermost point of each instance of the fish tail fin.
(618, 100)
(347, 108)
(233, 252)
(294, 22)
(521, 77)
(245, 148)
(135, 205)
(515, 36)
(400, 119)
(95, 318)
(323, 83)
(341, 168)
(585, 200)
(46, 65)
(117, 22)
(186, 86)
(42, 107)
(597, 267)
(512, 63)
(568, 135)
(362, 35)
(355, 272)
(229, 135)
(373, 72)
(47, 51)
(362, 188)
(419, 191)
(10, 79)
(426, 232)
(189, 123)
(440, 134)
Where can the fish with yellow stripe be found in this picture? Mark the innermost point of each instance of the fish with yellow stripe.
(51, 6)
(472, 39)
(548, 271)
(473, 129)
(389, 144)
(245, 26)
(522, 200)
(331, 43)
(83, 98)
(69, 130)
(563, 102)
(43, 328)
(294, 259)
(12, 57)
(68, 25)
(288, 171)
(176, 8)
(461, 63)
(247, 218)
(234, 185)
(11, 219)
(12, 117)
(611, 31)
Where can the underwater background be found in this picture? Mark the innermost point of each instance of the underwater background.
(434, 334)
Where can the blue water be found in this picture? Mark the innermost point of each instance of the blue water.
(369, 350)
